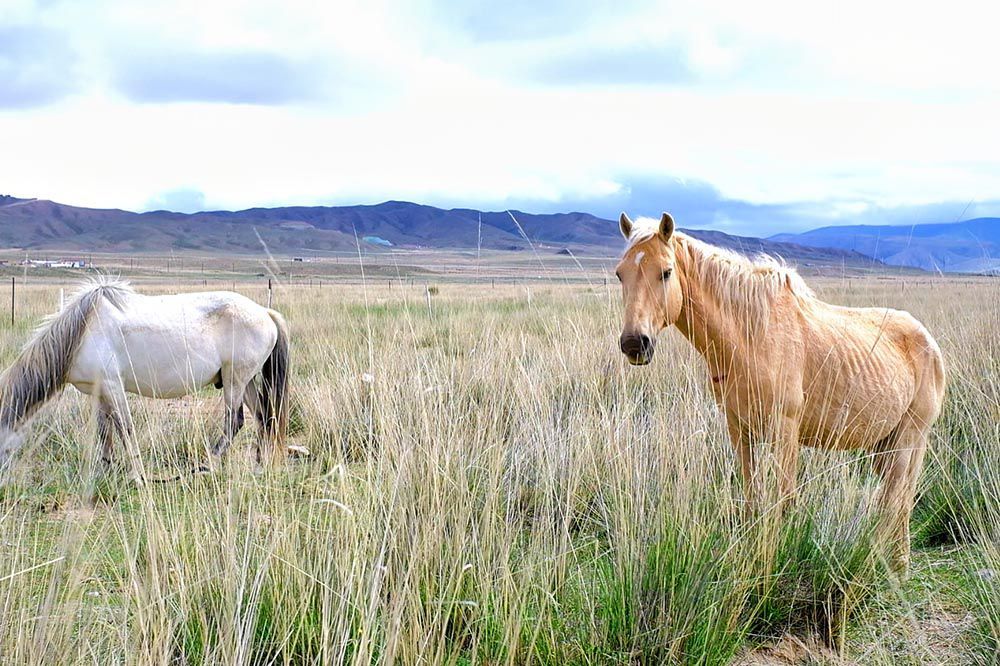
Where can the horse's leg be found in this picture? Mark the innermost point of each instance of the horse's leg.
(232, 421)
(105, 439)
(740, 438)
(252, 399)
(113, 410)
(786, 452)
(902, 463)
(105, 432)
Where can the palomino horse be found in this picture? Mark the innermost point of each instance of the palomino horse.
(109, 340)
(786, 367)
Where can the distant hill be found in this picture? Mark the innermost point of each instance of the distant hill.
(40, 224)
(45, 225)
(972, 246)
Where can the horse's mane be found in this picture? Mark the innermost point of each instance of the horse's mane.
(43, 364)
(742, 284)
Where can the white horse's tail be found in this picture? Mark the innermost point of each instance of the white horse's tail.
(42, 368)
(274, 387)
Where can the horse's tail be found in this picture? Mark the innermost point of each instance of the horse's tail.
(43, 366)
(274, 387)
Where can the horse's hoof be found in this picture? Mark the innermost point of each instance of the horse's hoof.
(296, 451)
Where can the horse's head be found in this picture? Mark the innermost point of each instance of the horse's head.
(651, 292)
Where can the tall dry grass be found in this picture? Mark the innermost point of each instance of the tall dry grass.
(490, 484)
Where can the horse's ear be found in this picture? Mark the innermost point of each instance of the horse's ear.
(625, 225)
(666, 226)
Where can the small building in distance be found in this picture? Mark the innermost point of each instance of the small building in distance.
(54, 263)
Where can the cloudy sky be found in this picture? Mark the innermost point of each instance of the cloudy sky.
(748, 117)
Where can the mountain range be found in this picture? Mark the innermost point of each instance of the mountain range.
(972, 246)
(36, 224)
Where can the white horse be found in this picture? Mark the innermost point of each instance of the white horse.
(109, 340)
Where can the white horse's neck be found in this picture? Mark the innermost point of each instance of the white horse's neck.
(40, 370)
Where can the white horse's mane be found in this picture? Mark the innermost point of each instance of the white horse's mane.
(112, 286)
(40, 370)
(739, 284)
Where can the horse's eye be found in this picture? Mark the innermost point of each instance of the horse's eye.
(666, 274)
(618, 275)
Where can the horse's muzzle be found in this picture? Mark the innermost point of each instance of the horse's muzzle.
(638, 349)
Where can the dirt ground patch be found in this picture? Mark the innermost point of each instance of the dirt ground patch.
(791, 650)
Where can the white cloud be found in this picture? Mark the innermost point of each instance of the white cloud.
(866, 105)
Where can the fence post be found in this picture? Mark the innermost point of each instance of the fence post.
(268, 292)
(12, 301)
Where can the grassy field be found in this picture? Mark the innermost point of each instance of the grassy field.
(490, 483)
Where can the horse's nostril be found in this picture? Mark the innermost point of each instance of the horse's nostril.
(636, 345)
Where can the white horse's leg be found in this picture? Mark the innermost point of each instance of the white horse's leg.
(113, 410)
(252, 400)
(232, 420)
(106, 416)
(105, 431)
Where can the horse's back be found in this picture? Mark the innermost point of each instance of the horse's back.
(169, 346)
(864, 370)
(927, 363)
